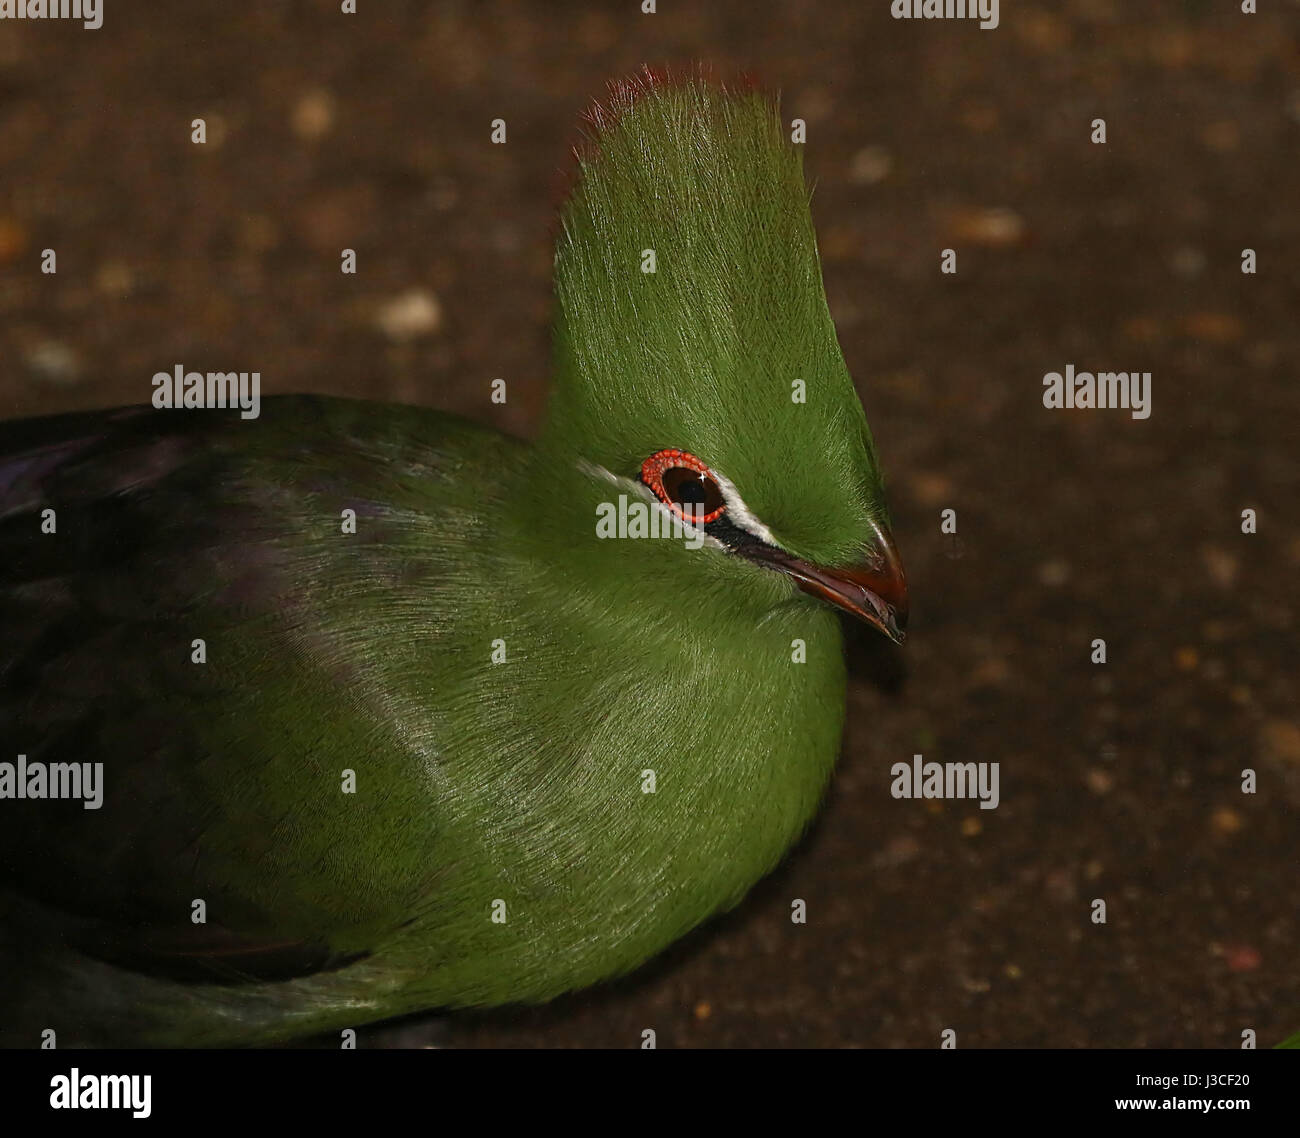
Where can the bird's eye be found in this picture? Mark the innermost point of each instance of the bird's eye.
(685, 485)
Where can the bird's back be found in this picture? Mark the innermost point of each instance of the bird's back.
(199, 614)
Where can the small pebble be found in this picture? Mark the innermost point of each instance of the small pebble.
(899, 851)
(870, 166)
(1221, 565)
(1213, 327)
(12, 239)
(1054, 573)
(1143, 329)
(931, 489)
(408, 316)
(1043, 31)
(1242, 958)
(1225, 821)
(993, 228)
(1280, 741)
(313, 115)
(54, 362)
(991, 671)
(114, 278)
(814, 105)
(1187, 262)
(1100, 781)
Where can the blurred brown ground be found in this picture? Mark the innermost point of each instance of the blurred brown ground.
(1121, 782)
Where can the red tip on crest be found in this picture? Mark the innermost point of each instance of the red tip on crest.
(602, 115)
(625, 93)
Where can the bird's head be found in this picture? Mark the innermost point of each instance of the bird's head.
(696, 359)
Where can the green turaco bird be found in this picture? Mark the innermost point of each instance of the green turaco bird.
(490, 741)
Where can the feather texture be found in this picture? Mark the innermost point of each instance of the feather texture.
(505, 684)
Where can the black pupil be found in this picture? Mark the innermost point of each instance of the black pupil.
(688, 487)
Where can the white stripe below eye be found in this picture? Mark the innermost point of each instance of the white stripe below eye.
(737, 511)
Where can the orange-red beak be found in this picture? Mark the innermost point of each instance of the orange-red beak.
(875, 592)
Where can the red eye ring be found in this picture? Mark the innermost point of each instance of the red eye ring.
(661, 463)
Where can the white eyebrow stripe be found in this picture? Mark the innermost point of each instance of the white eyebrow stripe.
(740, 513)
(737, 511)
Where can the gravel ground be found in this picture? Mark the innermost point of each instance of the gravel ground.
(1120, 781)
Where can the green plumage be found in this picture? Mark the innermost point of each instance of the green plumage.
(703, 353)
(499, 679)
